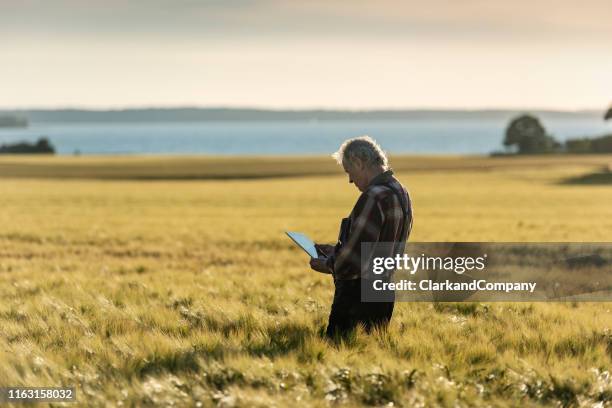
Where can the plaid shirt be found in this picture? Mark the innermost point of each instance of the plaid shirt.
(376, 217)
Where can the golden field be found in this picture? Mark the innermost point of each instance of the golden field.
(169, 281)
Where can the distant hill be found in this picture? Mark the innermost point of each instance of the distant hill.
(229, 114)
(12, 121)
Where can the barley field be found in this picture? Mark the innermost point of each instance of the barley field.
(169, 281)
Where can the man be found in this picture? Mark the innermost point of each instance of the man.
(383, 213)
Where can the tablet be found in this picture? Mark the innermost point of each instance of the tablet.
(303, 242)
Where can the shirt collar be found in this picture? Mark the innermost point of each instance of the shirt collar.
(382, 178)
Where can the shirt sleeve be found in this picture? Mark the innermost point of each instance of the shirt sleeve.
(366, 225)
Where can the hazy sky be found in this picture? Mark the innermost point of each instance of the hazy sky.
(308, 53)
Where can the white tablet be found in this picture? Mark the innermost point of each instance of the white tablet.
(303, 242)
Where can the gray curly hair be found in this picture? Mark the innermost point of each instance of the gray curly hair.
(363, 148)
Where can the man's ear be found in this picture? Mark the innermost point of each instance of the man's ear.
(359, 164)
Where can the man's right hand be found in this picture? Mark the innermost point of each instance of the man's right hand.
(319, 264)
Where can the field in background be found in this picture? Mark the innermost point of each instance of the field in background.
(180, 289)
(210, 168)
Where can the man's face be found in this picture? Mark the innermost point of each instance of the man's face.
(356, 173)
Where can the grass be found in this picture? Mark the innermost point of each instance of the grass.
(602, 177)
(185, 290)
(211, 168)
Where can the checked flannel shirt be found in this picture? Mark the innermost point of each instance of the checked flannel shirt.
(376, 217)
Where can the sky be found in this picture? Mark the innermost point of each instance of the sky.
(351, 54)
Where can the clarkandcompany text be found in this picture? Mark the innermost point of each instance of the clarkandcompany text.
(430, 285)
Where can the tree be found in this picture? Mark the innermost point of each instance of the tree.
(527, 133)
(41, 146)
(608, 114)
(602, 144)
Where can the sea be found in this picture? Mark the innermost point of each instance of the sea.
(418, 136)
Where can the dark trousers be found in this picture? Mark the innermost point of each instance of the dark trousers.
(347, 310)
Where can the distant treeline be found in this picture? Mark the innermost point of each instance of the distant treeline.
(228, 114)
(42, 146)
(525, 134)
(602, 144)
(12, 121)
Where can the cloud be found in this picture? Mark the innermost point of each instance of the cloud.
(521, 20)
(439, 53)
